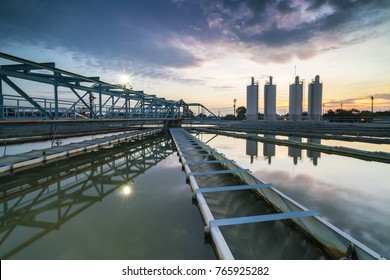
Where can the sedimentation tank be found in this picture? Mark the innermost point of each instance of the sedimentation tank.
(269, 100)
(315, 99)
(295, 100)
(252, 101)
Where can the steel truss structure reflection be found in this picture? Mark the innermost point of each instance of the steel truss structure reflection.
(42, 199)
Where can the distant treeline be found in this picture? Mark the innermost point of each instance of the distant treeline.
(338, 114)
(355, 113)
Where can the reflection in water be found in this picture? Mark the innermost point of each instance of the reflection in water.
(251, 149)
(40, 200)
(352, 194)
(269, 149)
(127, 189)
(295, 153)
(341, 205)
(314, 155)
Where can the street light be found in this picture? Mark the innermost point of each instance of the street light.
(234, 106)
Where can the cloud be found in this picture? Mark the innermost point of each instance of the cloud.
(224, 88)
(158, 38)
(214, 20)
(385, 96)
(136, 32)
(282, 30)
(379, 99)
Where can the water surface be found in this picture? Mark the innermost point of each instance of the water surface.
(350, 193)
(131, 201)
(127, 202)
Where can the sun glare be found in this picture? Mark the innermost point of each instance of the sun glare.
(127, 190)
(125, 79)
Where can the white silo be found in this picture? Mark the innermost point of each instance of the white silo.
(315, 99)
(252, 101)
(269, 100)
(295, 100)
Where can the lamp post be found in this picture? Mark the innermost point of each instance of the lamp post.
(234, 106)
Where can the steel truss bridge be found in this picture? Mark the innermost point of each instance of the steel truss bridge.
(72, 96)
(43, 199)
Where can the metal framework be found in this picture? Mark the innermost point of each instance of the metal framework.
(76, 96)
(43, 201)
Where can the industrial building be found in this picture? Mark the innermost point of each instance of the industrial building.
(315, 99)
(269, 100)
(252, 101)
(295, 100)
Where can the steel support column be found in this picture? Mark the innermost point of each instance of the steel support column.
(1, 101)
(143, 107)
(100, 102)
(90, 107)
(55, 95)
(127, 104)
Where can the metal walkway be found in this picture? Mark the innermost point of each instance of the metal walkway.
(26, 160)
(219, 186)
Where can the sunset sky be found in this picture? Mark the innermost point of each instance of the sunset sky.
(206, 51)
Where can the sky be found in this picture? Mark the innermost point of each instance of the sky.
(207, 51)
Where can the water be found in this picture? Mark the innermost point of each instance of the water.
(131, 201)
(128, 202)
(350, 193)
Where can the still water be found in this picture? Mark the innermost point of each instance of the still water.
(352, 194)
(131, 201)
(127, 202)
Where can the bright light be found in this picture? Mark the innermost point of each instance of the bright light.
(125, 79)
(127, 190)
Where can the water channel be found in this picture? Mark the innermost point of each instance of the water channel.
(350, 193)
(131, 201)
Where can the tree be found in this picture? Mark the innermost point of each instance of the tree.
(241, 111)
(330, 113)
(229, 117)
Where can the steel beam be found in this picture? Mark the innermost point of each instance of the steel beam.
(26, 67)
(1, 100)
(214, 172)
(207, 161)
(262, 218)
(56, 95)
(233, 188)
(25, 95)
